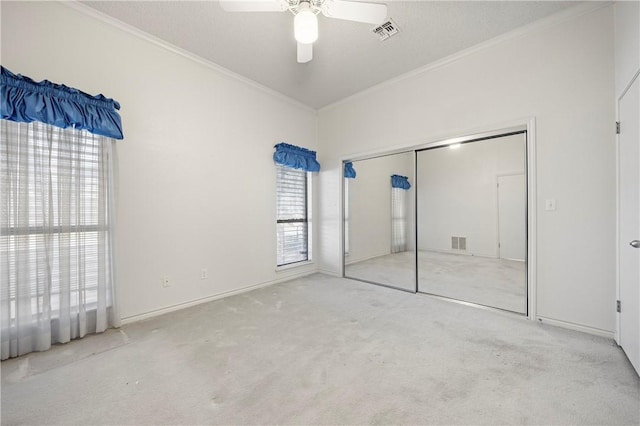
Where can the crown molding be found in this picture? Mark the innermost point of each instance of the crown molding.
(561, 17)
(130, 29)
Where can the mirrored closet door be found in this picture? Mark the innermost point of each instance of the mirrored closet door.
(471, 221)
(379, 224)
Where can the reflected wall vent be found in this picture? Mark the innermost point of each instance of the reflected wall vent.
(459, 243)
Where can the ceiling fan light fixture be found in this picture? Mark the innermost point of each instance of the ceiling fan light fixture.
(305, 25)
(305, 21)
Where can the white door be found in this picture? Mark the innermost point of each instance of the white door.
(512, 217)
(629, 223)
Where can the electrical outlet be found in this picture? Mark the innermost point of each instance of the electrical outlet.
(165, 281)
(204, 274)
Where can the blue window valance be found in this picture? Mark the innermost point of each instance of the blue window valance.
(349, 171)
(296, 157)
(401, 182)
(25, 100)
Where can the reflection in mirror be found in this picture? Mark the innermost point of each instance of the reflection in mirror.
(471, 204)
(379, 221)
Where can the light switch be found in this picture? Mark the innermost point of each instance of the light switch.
(550, 204)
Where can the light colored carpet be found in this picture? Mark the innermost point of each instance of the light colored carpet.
(498, 283)
(491, 282)
(324, 350)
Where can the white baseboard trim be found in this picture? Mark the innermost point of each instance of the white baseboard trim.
(458, 253)
(330, 273)
(576, 327)
(352, 261)
(166, 310)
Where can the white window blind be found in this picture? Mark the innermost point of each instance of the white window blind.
(292, 216)
(62, 230)
(55, 239)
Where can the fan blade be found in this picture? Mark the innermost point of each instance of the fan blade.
(254, 5)
(370, 13)
(305, 53)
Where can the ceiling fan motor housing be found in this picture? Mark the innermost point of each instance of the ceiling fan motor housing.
(305, 23)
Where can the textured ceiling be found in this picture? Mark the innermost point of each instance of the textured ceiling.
(347, 57)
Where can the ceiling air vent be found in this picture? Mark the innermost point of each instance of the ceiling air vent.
(386, 30)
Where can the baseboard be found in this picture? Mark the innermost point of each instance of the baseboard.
(458, 252)
(352, 261)
(173, 308)
(330, 273)
(577, 327)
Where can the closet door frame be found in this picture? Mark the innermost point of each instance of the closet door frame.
(529, 126)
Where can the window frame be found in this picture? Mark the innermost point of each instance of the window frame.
(307, 220)
(35, 228)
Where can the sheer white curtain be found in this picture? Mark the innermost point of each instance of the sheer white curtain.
(399, 223)
(56, 244)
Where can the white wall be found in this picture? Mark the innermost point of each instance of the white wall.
(561, 74)
(370, 205)
(627, 43)
(178, 213)
(457, 193)
(196, 179)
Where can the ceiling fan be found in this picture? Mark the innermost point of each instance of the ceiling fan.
(305, 23)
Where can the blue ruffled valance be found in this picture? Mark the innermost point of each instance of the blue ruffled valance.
(349, 171)
(401, 182)
(25, 100)
(296, 157)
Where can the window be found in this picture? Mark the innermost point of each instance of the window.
(55, 243)
(292, 214)
(60, 233)
(399, 223)
(56, 211)
(399, 212)
(346, 217)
